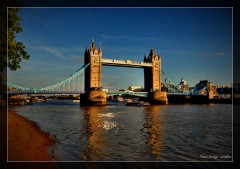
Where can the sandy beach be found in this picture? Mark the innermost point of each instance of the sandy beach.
(26, 141)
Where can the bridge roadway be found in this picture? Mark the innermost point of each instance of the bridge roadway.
(125, 63)
(110, 93)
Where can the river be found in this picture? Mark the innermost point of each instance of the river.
(187, 132)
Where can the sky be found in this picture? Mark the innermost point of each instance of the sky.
(194, 43)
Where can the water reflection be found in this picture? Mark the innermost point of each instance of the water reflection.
(92, 137)
(123, 133)
(153, 131)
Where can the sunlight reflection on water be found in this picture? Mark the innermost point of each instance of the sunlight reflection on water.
(123, 133)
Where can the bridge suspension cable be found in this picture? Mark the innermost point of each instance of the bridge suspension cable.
(67, 80)
(18, 87)
(55, 86)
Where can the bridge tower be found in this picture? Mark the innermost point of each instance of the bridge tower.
(152, 75)
(93, 74)
(152, 79)
(93, 78)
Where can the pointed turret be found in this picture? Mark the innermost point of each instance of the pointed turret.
(92, 47)
(151, 54)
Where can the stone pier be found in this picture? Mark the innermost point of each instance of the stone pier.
(93, 98)
(157, 97)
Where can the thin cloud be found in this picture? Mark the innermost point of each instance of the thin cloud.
(73, 49)
(53, 51)
(220, 54)
(78, 59)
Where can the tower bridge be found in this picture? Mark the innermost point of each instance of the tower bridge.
(92, 94)
(93, 76)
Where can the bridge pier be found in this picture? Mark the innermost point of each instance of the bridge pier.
(93, 98)
(157, 97)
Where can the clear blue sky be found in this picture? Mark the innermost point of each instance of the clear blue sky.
(194, 43)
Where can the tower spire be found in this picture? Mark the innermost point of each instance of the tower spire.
(93, 47)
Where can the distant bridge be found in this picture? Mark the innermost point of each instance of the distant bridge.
(110, 93)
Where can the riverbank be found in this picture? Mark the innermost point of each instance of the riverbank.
(26, 141)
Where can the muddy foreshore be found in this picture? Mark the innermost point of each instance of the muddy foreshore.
(26, 141)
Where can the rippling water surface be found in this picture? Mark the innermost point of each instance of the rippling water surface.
(122, 133)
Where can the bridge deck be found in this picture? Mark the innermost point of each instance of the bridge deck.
(141, 94)
(125, 63)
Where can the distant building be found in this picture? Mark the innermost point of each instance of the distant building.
(121, 90)
(182, 82)
(135, 88)
(183, 85)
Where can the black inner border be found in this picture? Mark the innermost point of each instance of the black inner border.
(235, 4)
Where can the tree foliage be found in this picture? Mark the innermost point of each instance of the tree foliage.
(16, 50)
(3, 37)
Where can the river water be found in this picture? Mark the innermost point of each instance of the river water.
(188, 132)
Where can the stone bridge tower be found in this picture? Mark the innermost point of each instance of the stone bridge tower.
(152, 75)
(152, 79)
(93, 74)
(93, 78)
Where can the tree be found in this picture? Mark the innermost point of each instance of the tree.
(3, 36)
(16, 50)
